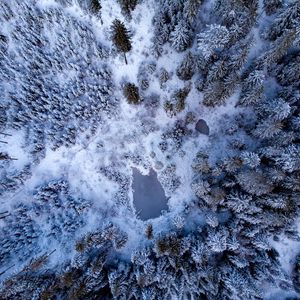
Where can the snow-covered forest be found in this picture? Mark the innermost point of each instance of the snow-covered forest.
(201, 98)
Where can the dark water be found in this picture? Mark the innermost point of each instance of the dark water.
(148, 195)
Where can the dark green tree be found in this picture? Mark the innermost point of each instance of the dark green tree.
(95, 6)
(271, 6)
(121, 37)
(186, 69)
(128, 6)
(131, 92)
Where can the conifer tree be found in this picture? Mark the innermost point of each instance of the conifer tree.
(191, 8)
(95, 6)
(186, 69)
(121, 37)
(214, 38)
(181, 37)
(270, 6)
(288, 19)
(128, 6)
(131, 92)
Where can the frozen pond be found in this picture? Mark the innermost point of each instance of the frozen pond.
(148, 195)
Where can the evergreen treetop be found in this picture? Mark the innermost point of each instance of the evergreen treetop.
(121, 37)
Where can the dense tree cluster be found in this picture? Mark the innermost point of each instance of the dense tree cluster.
(62, 215)
(211, 263)
(175, 23)
(61, 83)
(245, 189)
(12, 180)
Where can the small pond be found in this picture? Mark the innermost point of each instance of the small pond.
(148, 195)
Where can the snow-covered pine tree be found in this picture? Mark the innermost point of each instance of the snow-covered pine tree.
(286, 20)
(213, 39)
(252, 88)
(181, 36)
(191, 9)
(187, 68)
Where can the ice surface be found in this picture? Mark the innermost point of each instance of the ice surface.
(148, 195)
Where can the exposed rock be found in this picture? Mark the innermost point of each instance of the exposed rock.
(202, 127)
